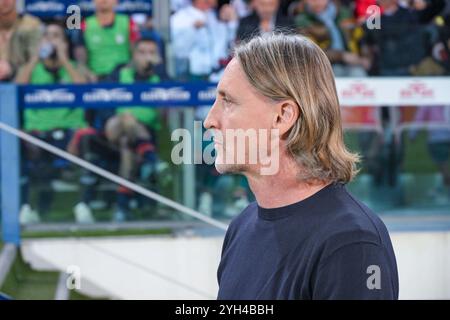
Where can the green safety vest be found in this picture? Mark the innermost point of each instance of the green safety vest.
(107, 47)
(52, 118)
(147, 115)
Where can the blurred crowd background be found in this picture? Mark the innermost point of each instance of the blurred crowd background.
(406, 170)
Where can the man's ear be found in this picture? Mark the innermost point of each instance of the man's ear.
(287, 113)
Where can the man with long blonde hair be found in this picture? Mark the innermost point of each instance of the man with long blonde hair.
(306, 236)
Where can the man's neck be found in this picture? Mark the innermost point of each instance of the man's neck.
(105, 18)
(7, 20)
(283, 188)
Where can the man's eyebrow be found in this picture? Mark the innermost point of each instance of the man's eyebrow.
(223, 93)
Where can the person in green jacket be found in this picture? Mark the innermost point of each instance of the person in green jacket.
(105, 40)
(133, 130)
(330, 24)
(49, 65)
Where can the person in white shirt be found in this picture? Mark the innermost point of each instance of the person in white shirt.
(201, 38)
(176, 5)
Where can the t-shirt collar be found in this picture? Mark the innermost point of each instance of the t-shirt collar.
(305, 204)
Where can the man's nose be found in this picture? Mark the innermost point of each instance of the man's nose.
(211, 119)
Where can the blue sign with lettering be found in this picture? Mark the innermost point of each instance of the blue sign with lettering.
(112, 95)
(52, 8)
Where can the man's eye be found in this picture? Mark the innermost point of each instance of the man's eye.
(226, 101)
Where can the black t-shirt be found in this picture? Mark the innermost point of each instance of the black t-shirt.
(328, 246)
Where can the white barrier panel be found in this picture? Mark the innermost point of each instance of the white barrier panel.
(186, 267)
(391, 91)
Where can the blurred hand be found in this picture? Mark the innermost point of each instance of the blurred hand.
(88, 74)
(355, 60)
(91, 77)
(351, 58)
(37, 54)
(199, 24)
(61, 50)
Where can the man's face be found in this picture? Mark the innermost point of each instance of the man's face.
(238, 106)
(54, 34)
(204, 5)
(105, 5)
(7, 6)
(146, 54)
(317, 6)
(266, 8)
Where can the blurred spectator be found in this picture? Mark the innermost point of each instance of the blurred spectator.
(438, 141)
(201, 39)
(147, 30)
(399, 48)
(331, 24)
(441, 49)
(50, 64)
(266, 17)
(105, 40)
(133, 130)
(19, 37)
(401, 41)
(141, 69)
(134, 141)
(103, 44)
(129, 136)
(91, 145)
